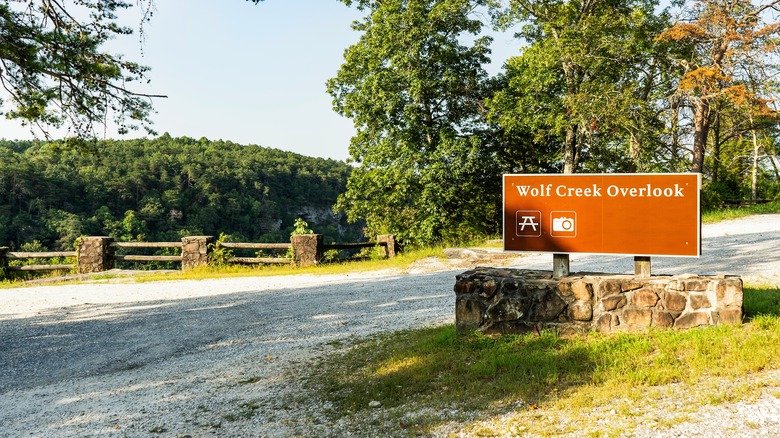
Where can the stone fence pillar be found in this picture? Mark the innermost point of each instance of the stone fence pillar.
(195, 251)
(392, 247)
(3, 261)
(307, 249)
(94, 254)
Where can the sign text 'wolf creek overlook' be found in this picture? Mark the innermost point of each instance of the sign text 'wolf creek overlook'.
(633, 214)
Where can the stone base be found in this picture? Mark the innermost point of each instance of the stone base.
(500, 300)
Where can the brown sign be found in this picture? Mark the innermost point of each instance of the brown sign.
(631, 214)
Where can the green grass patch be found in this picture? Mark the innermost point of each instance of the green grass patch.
(439, 370)
(761, 301)
(722, 214)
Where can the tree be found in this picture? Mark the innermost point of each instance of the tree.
(729, 47)
(584, 82)
(55, 71)
(413, 86)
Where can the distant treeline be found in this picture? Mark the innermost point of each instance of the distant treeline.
(162, 189)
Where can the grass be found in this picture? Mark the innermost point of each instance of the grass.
(575, 382)
(400, 262)
(722, 214)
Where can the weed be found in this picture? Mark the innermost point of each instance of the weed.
(249, 381)
(245, 411)
(220, 256)
(158, 429)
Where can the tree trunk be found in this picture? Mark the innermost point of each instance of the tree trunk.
(570, 150)
(774, 165)
(716, 149)
(570, 156)
(701, 128)
(754, 171)
(675, 129)
(634, 148)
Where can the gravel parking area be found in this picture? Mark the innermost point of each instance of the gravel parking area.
(205, 358)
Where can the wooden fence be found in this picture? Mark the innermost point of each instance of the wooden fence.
(6, 256)
(98, 253)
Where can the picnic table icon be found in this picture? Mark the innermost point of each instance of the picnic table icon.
(529, 223)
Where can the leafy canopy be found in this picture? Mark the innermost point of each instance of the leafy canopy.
(413, 85)
(55, 70)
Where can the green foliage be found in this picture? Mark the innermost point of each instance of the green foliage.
(714, 194)
(583, 89)
(219, 256)
(163, 189)
(301, 227)
(331, 256)
(57, 71)
(34, 246)
(412, 86)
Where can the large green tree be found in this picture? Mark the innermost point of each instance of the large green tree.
(414, 86)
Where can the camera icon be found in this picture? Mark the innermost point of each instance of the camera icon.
(564, 224)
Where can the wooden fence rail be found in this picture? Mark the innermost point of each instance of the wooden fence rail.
(146, 258)
(6, 255)
(233, 245)
(258, 246)
(145, 244)
(98, 253)
(340, 246)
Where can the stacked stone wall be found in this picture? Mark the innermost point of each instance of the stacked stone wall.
(497, 300)
(195, 251)
(307, 249)
(94, 254)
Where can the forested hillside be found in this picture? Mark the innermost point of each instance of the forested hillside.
(163, 189)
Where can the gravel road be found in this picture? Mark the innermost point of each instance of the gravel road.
(204, 358)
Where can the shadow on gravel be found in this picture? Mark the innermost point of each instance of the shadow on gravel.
(79, 370)
(88, 340)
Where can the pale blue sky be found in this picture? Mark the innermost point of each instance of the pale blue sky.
(251, 74)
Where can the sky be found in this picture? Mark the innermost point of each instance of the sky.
(250, 74)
